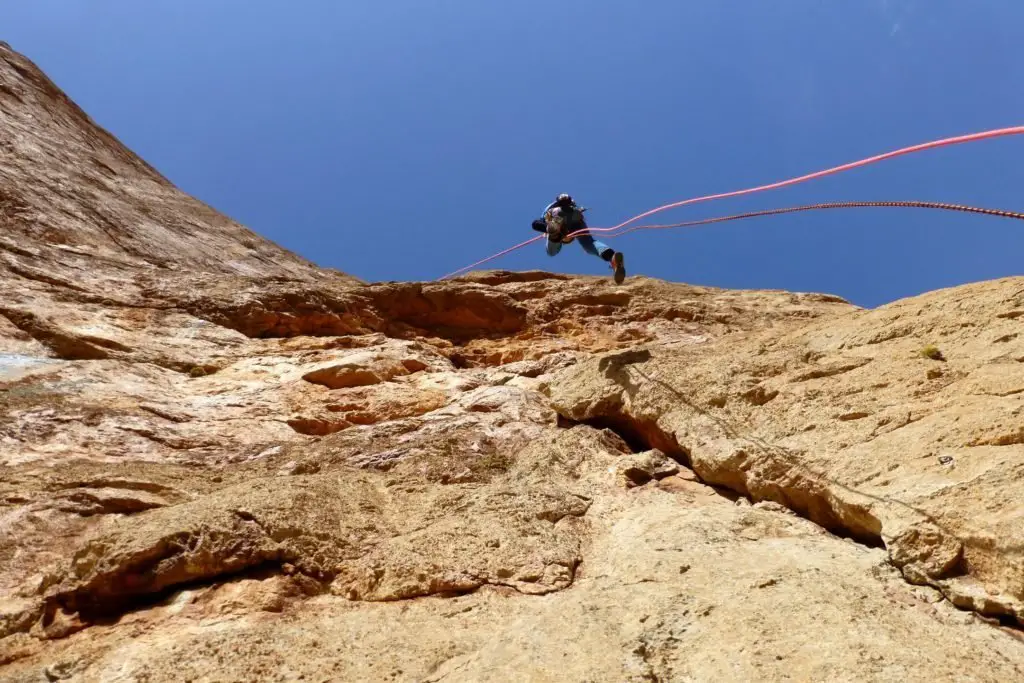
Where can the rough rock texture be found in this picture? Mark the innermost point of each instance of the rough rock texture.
(220, 463)
(75, 195)
(847, 422)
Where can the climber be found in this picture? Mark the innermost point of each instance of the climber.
(562, 218)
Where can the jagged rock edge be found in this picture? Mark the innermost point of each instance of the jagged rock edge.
(630, 428)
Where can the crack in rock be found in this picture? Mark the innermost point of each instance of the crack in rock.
(923, 550)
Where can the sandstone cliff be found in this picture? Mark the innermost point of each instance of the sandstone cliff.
(219, 462)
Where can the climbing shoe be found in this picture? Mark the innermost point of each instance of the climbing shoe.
(619, 266)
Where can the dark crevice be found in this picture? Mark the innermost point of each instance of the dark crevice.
(446, 594)
(627, 432)
(641, 435)
(1007, 621)
(645, 437)
(565, 423)
(812, 501)
(64, 345)
(806, 493)
(399, 310)
(500, 277)
(10, 92)
(109, 612)
(40, 276)
(460, 361)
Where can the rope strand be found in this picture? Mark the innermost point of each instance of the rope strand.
(829, 205)
(614, 230)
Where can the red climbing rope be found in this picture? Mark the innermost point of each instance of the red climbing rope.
(974, 137)
(829, 205)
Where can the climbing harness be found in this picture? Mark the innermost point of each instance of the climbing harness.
(619, 229)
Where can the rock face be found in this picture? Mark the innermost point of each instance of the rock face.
(219, 462)
(75, 197)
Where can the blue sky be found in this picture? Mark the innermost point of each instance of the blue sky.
(402, 139)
